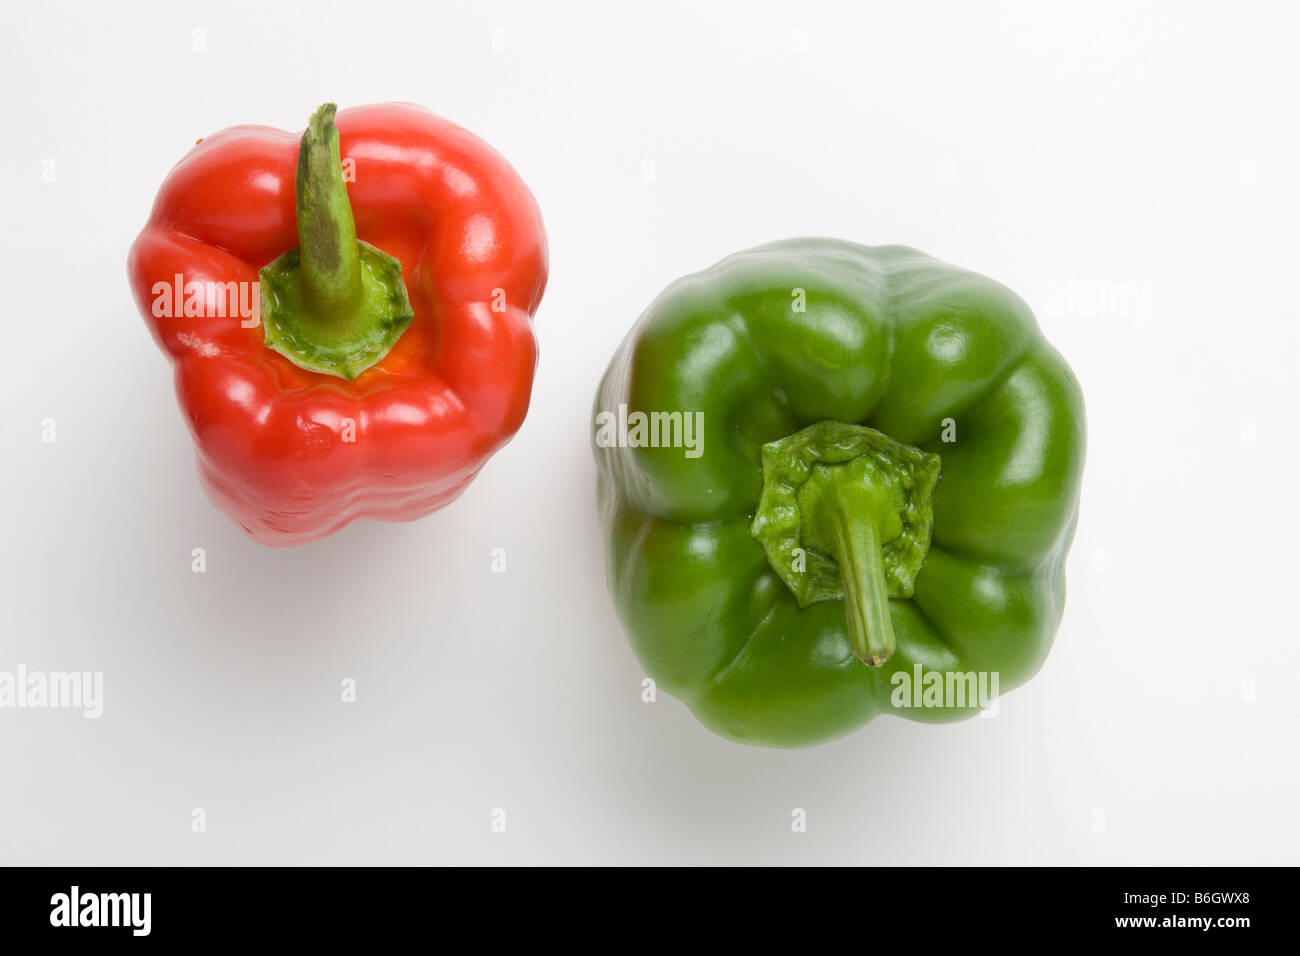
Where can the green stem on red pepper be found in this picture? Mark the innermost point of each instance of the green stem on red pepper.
(327, 235)
(335, 304)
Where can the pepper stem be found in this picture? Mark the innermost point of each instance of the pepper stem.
(856, 547)
(845, 515)
(335, 304)
(327, 234)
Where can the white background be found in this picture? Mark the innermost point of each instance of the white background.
(1146, 146)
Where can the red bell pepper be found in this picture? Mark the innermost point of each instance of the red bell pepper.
(401, 260)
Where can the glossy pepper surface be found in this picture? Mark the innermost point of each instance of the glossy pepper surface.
(397, 261)
(881, 493)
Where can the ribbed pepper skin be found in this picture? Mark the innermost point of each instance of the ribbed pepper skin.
(892, 339)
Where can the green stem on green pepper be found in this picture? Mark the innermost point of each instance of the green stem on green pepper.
(845, 514)
(856, 547)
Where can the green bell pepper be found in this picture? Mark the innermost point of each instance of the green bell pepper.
(837, 481)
